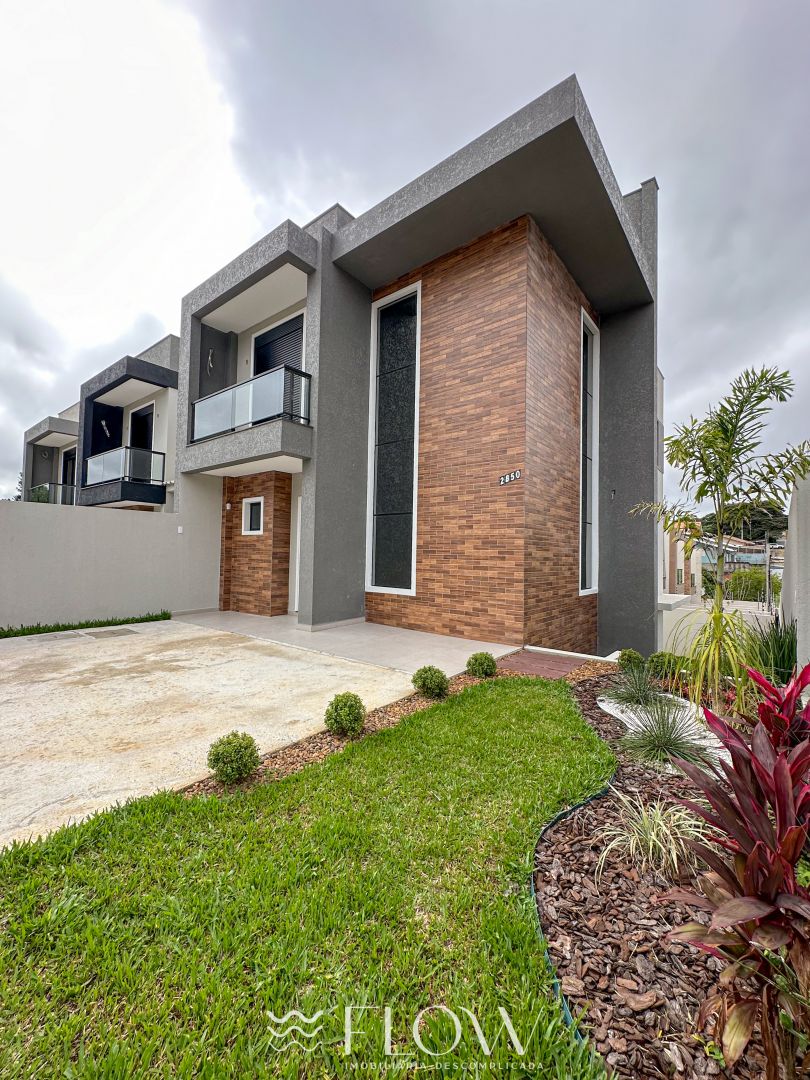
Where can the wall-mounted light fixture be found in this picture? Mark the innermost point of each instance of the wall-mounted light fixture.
(227, 506)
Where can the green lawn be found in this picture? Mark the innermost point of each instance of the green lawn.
(154, 939)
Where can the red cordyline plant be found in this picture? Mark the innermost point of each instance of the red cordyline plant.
(786, 718)
(759, 813)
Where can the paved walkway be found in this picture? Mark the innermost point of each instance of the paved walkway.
(93, 718)
(371, 643)
(546, 665)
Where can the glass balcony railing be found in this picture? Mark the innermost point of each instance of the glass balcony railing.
(126, 463)
(61, 494)
(282, 393)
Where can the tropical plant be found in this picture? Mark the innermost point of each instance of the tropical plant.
(785, 718)
(720, 462)
(773, 649)
(345, 714)
(715, 658)
(482, 665)
(233, 757)
(665, 731)
(758, 812)
(634, 685)
(655, 835)
(629, 658)
(431, 681)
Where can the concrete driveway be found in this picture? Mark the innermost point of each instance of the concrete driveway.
(93, 718)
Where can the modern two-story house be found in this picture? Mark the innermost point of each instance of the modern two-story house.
(116, 445)
(436, 415)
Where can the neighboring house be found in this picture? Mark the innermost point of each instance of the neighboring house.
(683, 574)
(49, 459)
(116, 447)
(437, 415)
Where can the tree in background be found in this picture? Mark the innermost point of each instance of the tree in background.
(748, 583)
(720, 462)
(757, 522)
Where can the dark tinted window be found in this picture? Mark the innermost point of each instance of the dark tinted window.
(394, 444)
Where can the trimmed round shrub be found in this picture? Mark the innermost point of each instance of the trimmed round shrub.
(431, 681)
(666, 665)
(345, 714)
(482, 665)
(233, 757)
(629, 658)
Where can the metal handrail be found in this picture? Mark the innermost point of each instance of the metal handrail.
(282, 393)
(154, 473)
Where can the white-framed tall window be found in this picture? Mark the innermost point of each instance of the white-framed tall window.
(253, 516)
(589, 459)
(393, 443)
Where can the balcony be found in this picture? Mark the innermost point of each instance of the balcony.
(125, 476)
(58, 494)
(126, 463)
(280, 394)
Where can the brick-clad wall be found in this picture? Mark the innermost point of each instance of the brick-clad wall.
(557, 617)
(469, 544)
(254, 570)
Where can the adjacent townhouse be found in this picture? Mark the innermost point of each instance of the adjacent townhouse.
(436, 415)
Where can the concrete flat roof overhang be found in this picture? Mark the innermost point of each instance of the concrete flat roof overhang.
(53, 431)
(128, 380)
(546, 161)
(288, 244)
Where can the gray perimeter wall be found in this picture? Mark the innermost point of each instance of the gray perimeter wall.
(69, 563)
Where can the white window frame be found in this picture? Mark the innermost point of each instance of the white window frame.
(414, 289)
(246, 504)
(587, 323)
(272, 326)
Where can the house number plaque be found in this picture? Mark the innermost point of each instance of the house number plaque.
(507, 478)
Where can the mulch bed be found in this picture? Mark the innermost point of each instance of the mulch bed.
(639, 992)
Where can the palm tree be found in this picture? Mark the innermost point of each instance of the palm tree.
(720, 462)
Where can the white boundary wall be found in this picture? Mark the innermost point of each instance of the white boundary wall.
(796, 577)
(70, 563)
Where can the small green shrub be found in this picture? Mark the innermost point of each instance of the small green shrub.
(345, 714)
(665, 732)
(655, 835)
(482, 665)
(629, 658)
(667, 665)
(431, 681)
(233, 757)
(633, 686)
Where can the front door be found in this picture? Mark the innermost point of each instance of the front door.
(141, 423)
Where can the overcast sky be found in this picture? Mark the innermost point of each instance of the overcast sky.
(144, 145)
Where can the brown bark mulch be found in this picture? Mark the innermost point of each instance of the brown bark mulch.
(607, 939)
